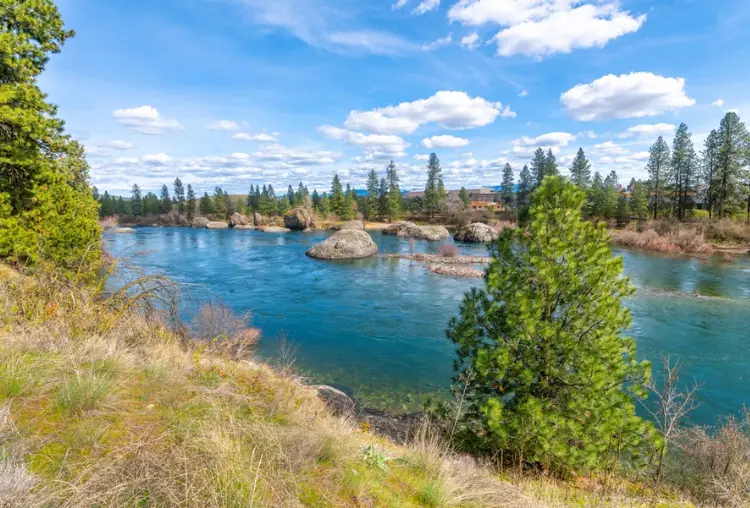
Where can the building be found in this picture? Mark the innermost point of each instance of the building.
(480, 199)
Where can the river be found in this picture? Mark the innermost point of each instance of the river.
(376, 327)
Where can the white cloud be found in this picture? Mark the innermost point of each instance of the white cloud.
(283, 157)
(649, 131)
(546, 140)
(445, 141)
(371, 143)
(426, 6)
(223, 125)
(634, 95)
(422, 157)
(245, 136)
(443, 41)
(523, 93)
(718, 103)
(471, 41)
(449, 109)
(734, 110)
(610, 148)
(543, 27)
(117, 145)
(640, 156)
(145, 119)
(371, 41)
(157, 159)
(399, 4)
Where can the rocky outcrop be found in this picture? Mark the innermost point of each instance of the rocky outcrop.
(122, 231)
(276, 229)
(200, 222)
(299, 219)
(352, 224)
(257, 219)
(245, 228)
(217, 225)
(337, 401)
(345, 244)
(237, 219)
(408, 229)
(476, 233)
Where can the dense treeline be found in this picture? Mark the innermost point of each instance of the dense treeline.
(46, 209)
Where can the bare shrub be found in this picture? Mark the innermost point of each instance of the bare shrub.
(447, 250)
(108, 222)
(502, 225)
(223, 331)
(681, 241)
(727, 231)
(287, 355)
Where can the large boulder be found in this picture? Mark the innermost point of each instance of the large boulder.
(245, 228)
(237, 219)
(339, 402)
(276, 229)
(200, 222)
(299, 219)
(396, 227)
(257, 219)
(345, 244)
(476, 233)
(408, 229)
(352, 224)
(122, 231)
(217, 225)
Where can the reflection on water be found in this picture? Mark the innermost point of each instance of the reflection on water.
(377, 326)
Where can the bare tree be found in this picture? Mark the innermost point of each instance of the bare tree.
(673, 404)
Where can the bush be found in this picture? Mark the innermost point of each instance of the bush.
(447, 250)
(728, 230)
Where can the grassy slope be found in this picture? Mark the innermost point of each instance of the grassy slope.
(100, 407)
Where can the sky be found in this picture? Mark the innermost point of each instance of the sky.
(243, 92)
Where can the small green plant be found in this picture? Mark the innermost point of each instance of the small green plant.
(12, 378)
(375, 458)
(81, 393)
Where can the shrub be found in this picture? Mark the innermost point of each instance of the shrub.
(447, 250)
(81, 393)
(728, 230)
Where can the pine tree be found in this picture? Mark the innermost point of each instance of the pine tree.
(220, 206)
(229, 205)
(538, 166)
(610, 196)
(681, 177)
(463, 195)
(526, 183)
(291, 198)
(206, 205)
(284, 205)
(658, 169)
(316, 201)
(179, 194)
(373, 200)
(394, 201)
(597, 197)
(166, 202)
(553, 380)
(639, 201)
(337, 195)
(347, 211)
(383, 199)
(433, 194)
(190, 206)
(136, 202)
(709, 163)
(580, 171)
(550, 164)
(507, 195)
(622, 214)
(733, 142)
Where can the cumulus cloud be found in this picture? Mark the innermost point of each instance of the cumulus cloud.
(399, 4)
(543, 27)
(223, 125)
(550, 141)
(648, 131)
(471, 41)
(157, 159)
(371, 143)
(718, 103)
(443, 41)
(426, 6)
(245, 136)
(422, 157)
(634, 95)
(282, 156)
(449, 109)
(610, 148)
(145, 119)
(117, 145)
(445, 141)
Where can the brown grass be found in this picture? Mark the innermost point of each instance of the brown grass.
(683, 241)
(108, 222)
(447, 250)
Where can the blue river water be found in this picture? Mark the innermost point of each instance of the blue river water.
(376, 327)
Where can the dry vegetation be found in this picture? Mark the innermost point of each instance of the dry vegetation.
(702, 237)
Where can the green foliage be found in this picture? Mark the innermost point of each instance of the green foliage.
(374, 457)
(206, 205)
(166, 201)
(552, 378)
(190, 206)
(337, 195)
(658, 169)
(525, 185)
(136, 203)
(580, 171)
(639, 201)
(682, 177)
(220, 202)
(622, 214)
(373, 198)
(507, 196)
(538, 166)
(733, 155)
(434, 192)
(394, 203)
(82, 393)
(463, 195)
(179, 195)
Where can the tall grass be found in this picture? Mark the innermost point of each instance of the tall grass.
(678, 242)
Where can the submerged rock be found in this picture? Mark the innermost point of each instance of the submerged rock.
(217, 225)
(476, 233)
(122, 231)
(396, 227)
(276, 229)
(352, 224)
(200, 222)
(345, 244)
(299, 219)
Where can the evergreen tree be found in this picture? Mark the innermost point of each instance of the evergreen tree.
(123, 207)
(284, 205)
(658, 169)
(580, 171)
(507, 195)
(552, 378)
(681, 177)
(433, 194)
(538, 166)
(550, 164)
(610, 196)
(230, 206)
(179, 194)
(373, 198)
(709, 163)
(337, 195)
(136, 203)
(394, 201)
(95, 193)
(622, 214)
(166, 202)
(526, 183)
(733, 143)
(291, 198)
(206, 205)
(383, 199)
(347, 212)
(597, 198)
(108, 206)
(266, 204)
(190, 206)
(463, 195)
(252, 204)
(639, 201)
(220, 205)
(316, 201)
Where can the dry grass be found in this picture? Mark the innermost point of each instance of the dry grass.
(447, 250)
(108, 222)
(681, 241)
(109, 407)
(727, 231)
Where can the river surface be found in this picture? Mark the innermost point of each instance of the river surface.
(376, 327)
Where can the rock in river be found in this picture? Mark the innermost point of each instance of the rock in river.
(121, 231)
(352, 224)
(237, 219)
(408, 229)
(276, 229)
(298, 219)
(476, 233)
(217, 225)
(200, 222)
(345, 244)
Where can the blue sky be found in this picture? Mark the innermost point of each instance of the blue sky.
(241, 92)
